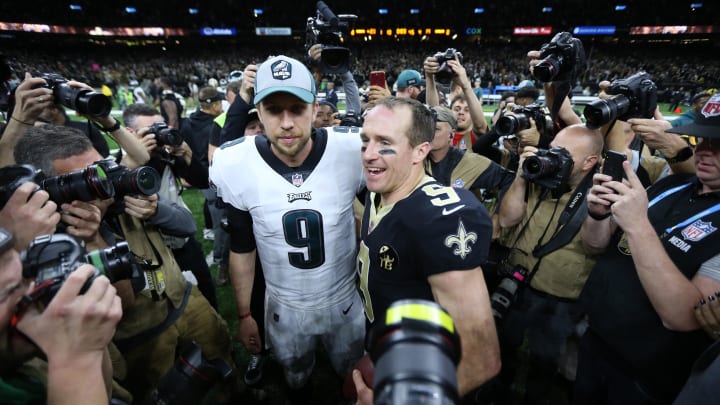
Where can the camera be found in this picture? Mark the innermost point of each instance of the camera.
(164, 135)
(415, 350)
(351, 119)
(190, 379)
(81, 100)
(520, 120)
(327, 29)
(90, 183)
(550, 168)
(50, 259)
(632, 97)
(445, 72)
(506, 292)
(142, 180)
(563, 58)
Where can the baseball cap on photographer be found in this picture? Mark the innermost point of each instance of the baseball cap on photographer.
(408, 78)
(445, 114)
(284, 74)
(707, 124)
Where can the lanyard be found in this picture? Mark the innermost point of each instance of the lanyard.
(707, 211)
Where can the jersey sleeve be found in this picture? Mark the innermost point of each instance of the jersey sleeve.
(456, 234)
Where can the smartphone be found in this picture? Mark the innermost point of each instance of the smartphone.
(613, 165)
(377, 78)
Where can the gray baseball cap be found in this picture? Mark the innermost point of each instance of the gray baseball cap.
(284, 74)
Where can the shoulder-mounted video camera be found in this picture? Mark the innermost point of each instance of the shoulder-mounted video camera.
(549, 168)
(81, 100)
(445, 73)
(631, 97)
(50, 259)
(327, 29)
(563, 59)
(520, 120)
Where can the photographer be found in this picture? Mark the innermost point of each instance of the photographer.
(171, 214)
(161, 309)
(546, 249)
(659, 245)
(467, 107)
(72, 332)
(33, 96)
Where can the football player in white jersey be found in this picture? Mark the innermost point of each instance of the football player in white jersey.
(290, 194)
(421, 239)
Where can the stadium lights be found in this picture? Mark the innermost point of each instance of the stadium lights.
(620, 7)
(257, 12)
(479, 10)
(414, 11)
(75, 7)
(695, 6)
(382, 11)
(547, 9)
(130, 10)
(192, 11)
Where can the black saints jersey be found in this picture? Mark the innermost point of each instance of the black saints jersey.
(433, 230)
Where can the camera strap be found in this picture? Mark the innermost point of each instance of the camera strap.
(570, 220)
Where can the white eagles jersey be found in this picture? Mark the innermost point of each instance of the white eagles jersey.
(302, 217)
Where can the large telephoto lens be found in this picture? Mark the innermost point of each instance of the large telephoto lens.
(603, 111)
(142, 180)
(540, 166)
(83, 101)
(512, 124)
(115, 262)
(87, 184)
(547, 69)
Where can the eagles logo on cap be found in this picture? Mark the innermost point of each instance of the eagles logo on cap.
(281, 70)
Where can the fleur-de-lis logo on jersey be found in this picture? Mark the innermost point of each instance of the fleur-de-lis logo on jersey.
(462, 240)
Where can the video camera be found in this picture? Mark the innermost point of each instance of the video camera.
(445, 73)
(520, 120)
(507, 291)
(415, 350)
(632, 97)
(50, 259)
(550, 168)
(164, 135)
(563, 59)
(81, 100)
(327, 29)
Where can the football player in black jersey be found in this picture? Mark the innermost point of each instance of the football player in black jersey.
(421, 239)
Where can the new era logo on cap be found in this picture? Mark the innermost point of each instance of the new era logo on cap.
(284, 74)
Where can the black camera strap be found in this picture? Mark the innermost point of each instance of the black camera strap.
(570, 220)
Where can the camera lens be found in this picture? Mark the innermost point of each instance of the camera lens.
(83, 101)
(115, 262)
(547, 69)
(602, 111)
(87, 184)
(512, 124)
(143, 180)
(539, 166)
(169, 136)
(415, 351)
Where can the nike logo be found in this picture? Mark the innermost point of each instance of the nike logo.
(448, 212)
(345, 312)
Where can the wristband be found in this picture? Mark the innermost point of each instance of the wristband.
(241, 317)
(113, 128)
(599, 217)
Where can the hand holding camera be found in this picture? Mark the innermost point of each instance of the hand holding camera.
(28, 214)
(627, 200)
(73, 325)
(449, 66)
(31, 98)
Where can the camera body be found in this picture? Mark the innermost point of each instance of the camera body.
(563, 58)
(520, 120)
(549, 168)
(351, 119)
(631, 97)
(507, 291)
(50, 259)
(164, 135)
(84, 101)
(327, 29)
(142, 180)
(445, 73)
(87, 184)
(415, 350)
(190, 379)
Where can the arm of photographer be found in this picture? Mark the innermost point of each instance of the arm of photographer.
(73, 332)
(477, 114)
(170, 217)
(430, 67)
